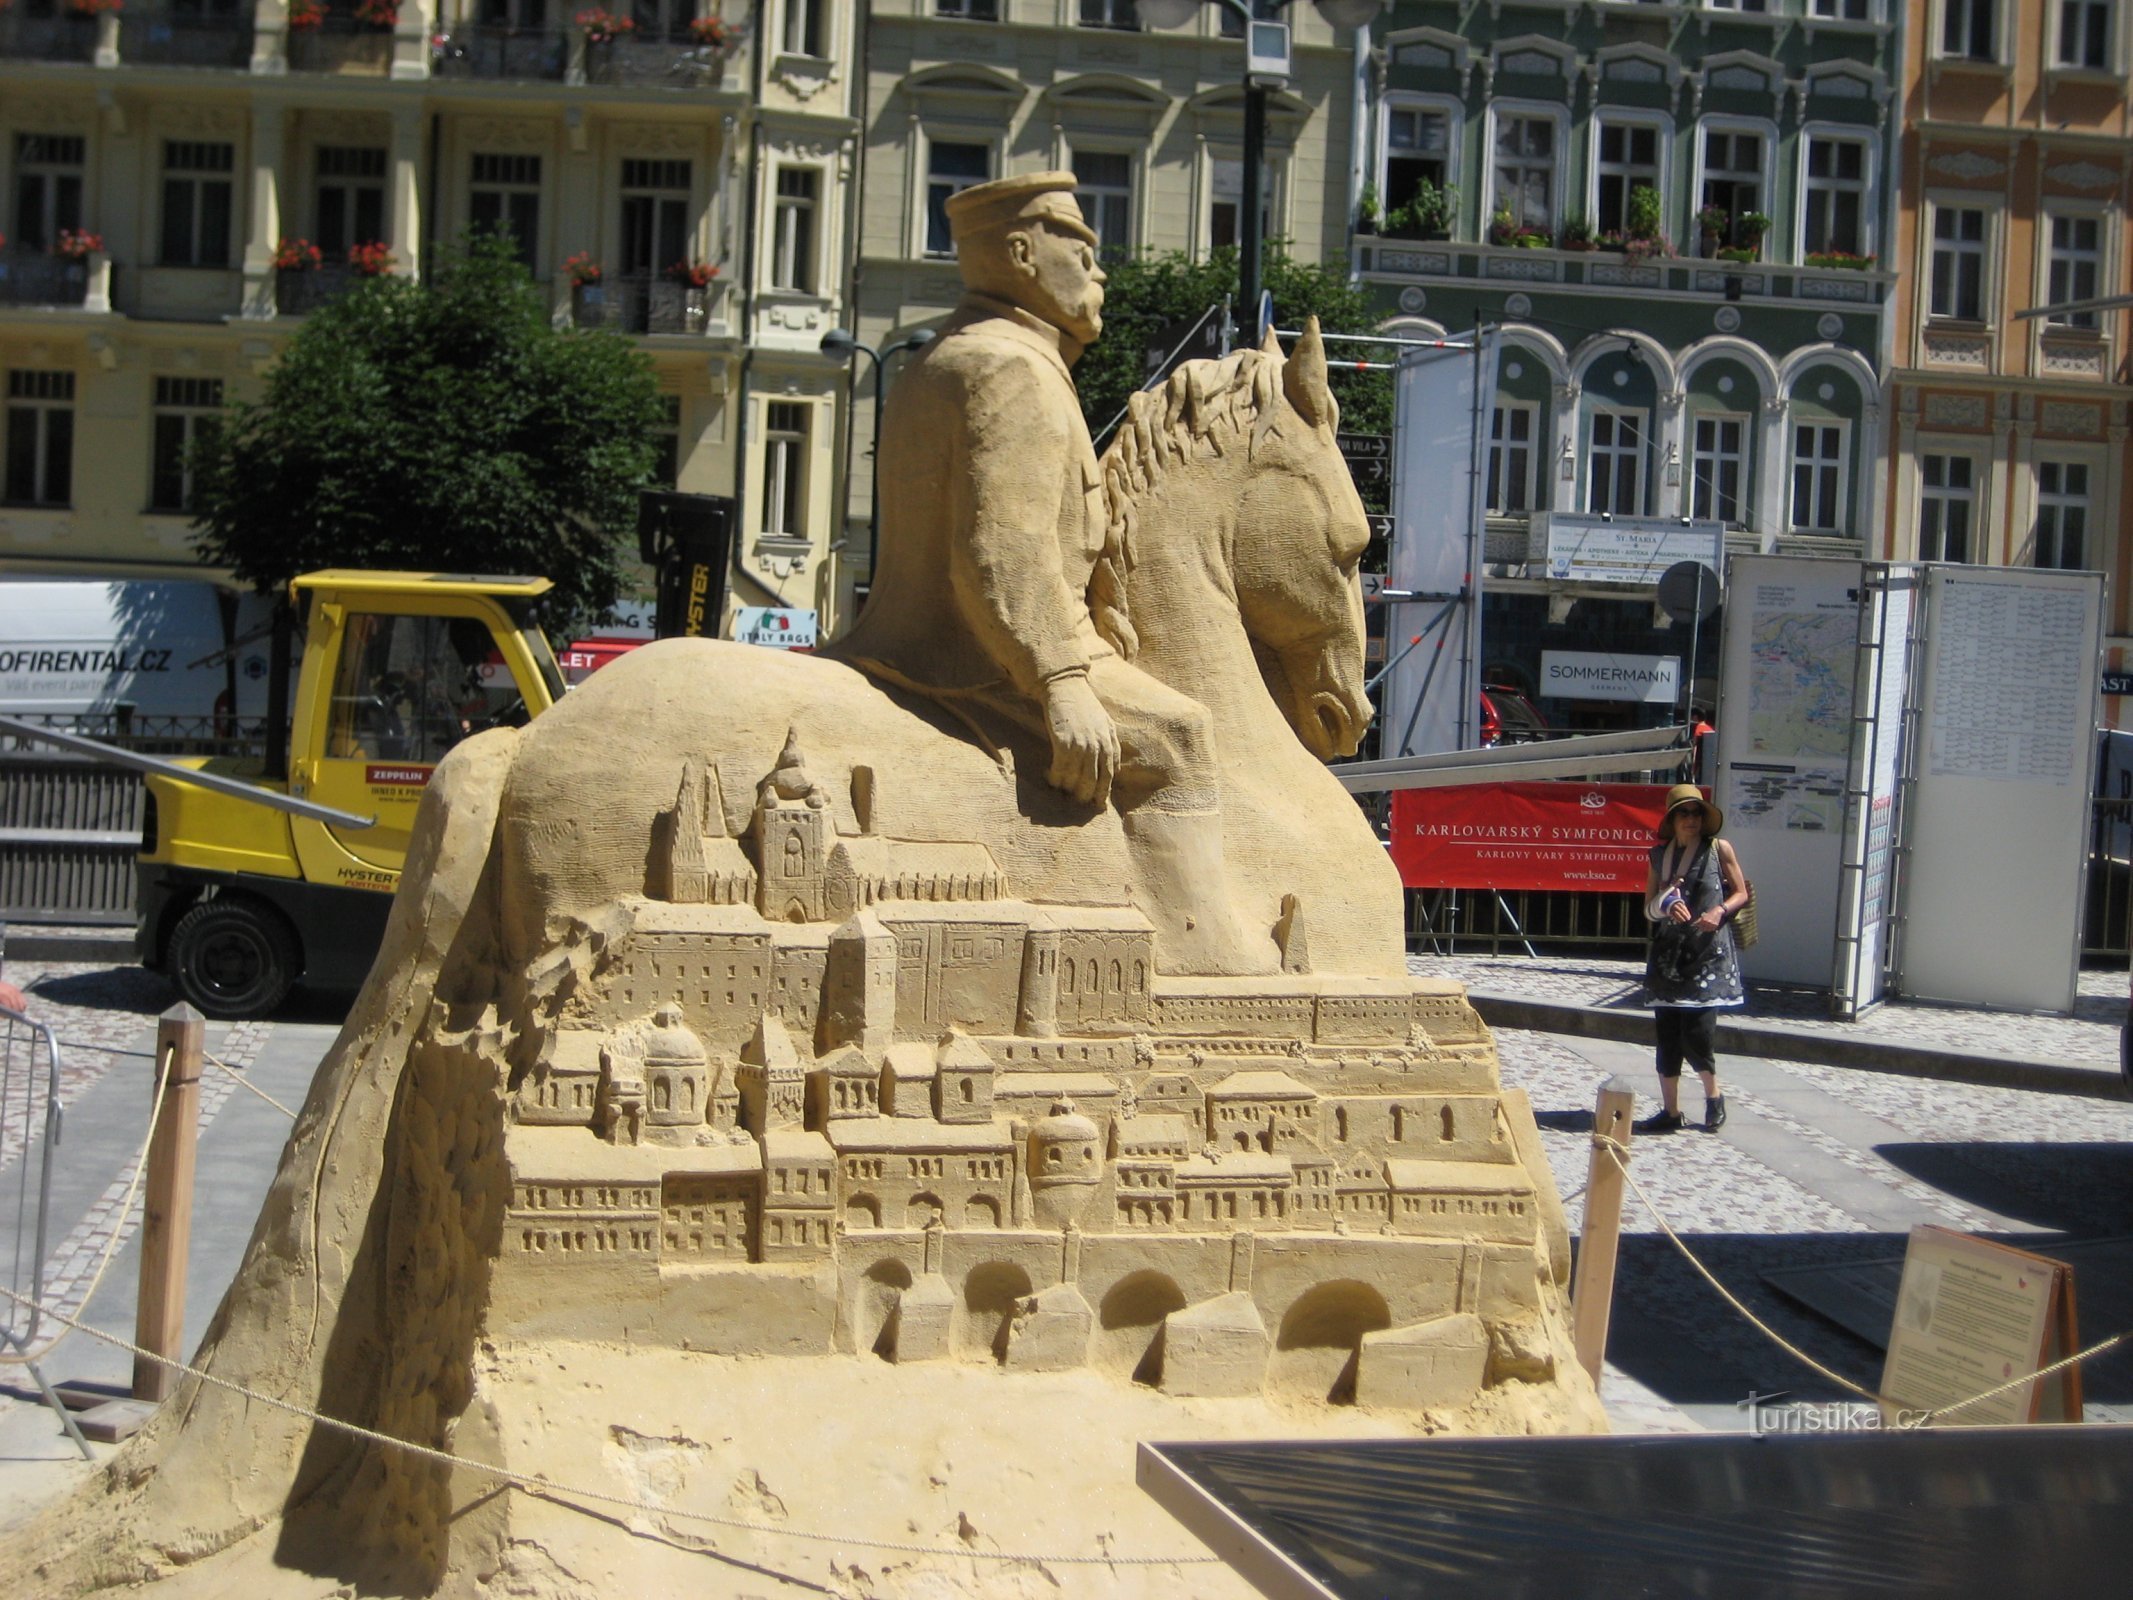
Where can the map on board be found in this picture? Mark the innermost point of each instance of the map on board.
(1801, 697)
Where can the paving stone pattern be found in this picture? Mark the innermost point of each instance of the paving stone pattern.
(2089, 1036)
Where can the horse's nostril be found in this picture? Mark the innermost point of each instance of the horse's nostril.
(1332, 722)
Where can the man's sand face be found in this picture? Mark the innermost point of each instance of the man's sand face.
(1059, 280)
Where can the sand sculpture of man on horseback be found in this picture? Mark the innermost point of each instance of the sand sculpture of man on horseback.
(996, 591)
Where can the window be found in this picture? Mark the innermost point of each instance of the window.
(1946, 506)
(1110, 14)
(197, 203)
(803, 27)
(1732, 172)
(785, 469)
(666, 440)
(1225, 211)
(350, 206)
(1512, 428)
(969, 10)
(1525, 170)
(1616, 462)
(1103, 184)
(187, 411)
(40, 438)
(1818, 477)
(1843, 10)
(2076, 265)
(950, 169)
(1418, 146)
(2085, 34)
(408, 688)
(1718, 468)
(1628, 159)
(792, 244)
(655, 216)
(48, 173)
(1966, 30)
(1263, 10)
(655, 19)
(505, 198)
(1756, 7)
(1958, 263)
(1836, 196)
(2061, 538)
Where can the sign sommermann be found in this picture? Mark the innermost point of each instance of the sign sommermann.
(1590, 675)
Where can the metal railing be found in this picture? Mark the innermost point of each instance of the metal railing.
(55, 35)
(70, 828)
(643, 305)
(171, 38)
(2107, 913)
(641, 62)
(34, 278)
(498, 50)
(31, 1118)
(298, 290)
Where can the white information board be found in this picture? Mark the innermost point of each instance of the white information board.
(1997, 815)
(1866, 906)
(1431, 700)
(1587, 547)
(1787, 675)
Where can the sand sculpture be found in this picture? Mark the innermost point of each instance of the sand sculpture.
(1015, 989)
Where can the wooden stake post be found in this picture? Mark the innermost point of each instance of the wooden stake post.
(167, 1206)
(1592, 1291)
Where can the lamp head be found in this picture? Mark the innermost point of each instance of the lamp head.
(1165, 13)
(838, 344)
(1349, 13)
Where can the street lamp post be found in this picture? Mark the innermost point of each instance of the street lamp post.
(839, 345)
(1266, 66)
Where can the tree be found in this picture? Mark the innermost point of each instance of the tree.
(441, 425)
(1150, 293)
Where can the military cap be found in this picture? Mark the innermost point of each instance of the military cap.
(1033, 197)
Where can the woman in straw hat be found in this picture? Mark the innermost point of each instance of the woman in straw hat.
(1693, 892)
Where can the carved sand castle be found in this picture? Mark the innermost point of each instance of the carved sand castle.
(905, 1086)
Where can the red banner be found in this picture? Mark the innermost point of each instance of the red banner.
(1526, 835)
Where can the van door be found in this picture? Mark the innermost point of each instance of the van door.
(401, 689)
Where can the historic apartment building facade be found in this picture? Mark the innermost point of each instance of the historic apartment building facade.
(155, 161)
(1680, 217)
(2009, 440)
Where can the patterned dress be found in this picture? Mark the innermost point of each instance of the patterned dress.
(1688, 967)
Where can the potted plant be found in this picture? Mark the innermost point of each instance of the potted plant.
(1578, 233)
(298, 255)
(601, 26)
(1366, 209)
(1840, 260)
(78, 244)
(692, 274)
(1713, 223)
(1503, 226)
(378, 13)
(588, 295)
(714, 33)
(306, 16)
(1750, 231)
(1432, 209)
(372, 260)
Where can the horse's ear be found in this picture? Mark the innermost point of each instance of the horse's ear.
(1271, 345)
(1303, 379)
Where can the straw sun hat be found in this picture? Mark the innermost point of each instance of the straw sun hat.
(1687, 794)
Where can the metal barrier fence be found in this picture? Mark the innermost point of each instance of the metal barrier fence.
(1479, 922)
(31, 1116)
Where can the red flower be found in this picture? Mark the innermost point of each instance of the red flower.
(372, 260)
(695, 274)
(297, 255)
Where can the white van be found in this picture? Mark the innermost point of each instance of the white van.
(150, 649)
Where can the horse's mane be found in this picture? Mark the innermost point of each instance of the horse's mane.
(1211, 403)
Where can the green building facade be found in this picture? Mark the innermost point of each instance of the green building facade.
(1678, 215)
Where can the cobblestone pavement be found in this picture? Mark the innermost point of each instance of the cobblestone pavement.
(2089, 1036)
(100, 1014)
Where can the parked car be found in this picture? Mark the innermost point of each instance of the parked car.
(1508, 717)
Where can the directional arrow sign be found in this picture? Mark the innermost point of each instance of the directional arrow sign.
(1381, 526)
(1368, 470)
(1366, 446)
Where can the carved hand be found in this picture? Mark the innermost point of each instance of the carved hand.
(1084, 741)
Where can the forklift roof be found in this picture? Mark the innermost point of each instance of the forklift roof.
(447, 582)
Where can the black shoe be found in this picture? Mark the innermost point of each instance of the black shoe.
(1714, 1113)
(1661, 1122)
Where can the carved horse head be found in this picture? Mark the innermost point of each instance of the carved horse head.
(1236, 462)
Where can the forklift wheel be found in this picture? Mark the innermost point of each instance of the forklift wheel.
(233, 958)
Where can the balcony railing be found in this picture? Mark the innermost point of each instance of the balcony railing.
(167, 37)
(644, 306)
(343, 45)
(1511, 267)
(38, 30)
(499, 51)
(296, 292)
(647, 63)
(32, 278)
